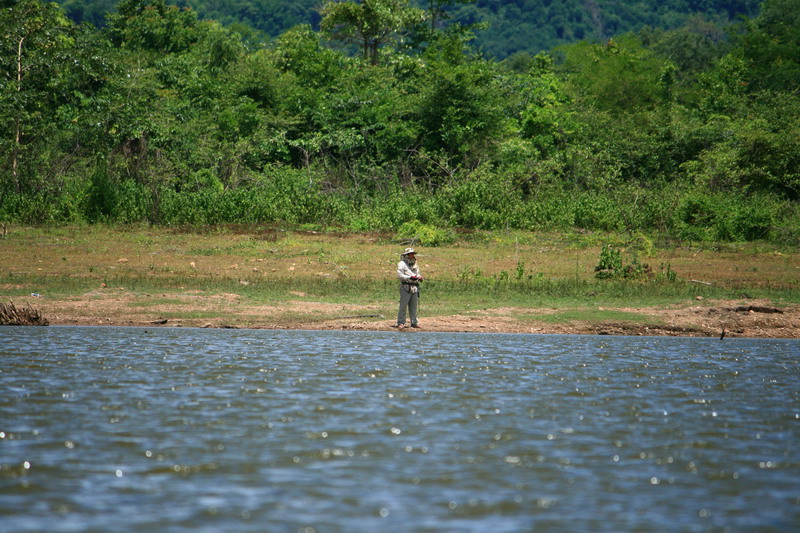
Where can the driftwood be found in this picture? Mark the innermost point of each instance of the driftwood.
(11, 315)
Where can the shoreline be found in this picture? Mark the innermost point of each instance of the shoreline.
(232, 278)
(756, 319)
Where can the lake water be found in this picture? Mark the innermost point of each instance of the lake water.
(129, 429)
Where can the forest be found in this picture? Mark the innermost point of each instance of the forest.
(388, 117)
(502, 27)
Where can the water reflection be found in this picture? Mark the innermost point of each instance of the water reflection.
(184, 429)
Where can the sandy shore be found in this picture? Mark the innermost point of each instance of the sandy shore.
(740, 318)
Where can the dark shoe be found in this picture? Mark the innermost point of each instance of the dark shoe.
(414, 325)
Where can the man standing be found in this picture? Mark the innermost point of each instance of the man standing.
(409, 276)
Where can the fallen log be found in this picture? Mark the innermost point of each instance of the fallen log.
(11, 315)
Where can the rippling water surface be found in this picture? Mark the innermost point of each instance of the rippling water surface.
(126, 429)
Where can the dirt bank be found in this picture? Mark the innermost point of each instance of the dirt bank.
(740, 318)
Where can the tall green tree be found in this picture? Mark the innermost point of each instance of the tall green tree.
(36, 47)
(459, 106)
(618, 76)
(546, 118)
(369, 24)
(770, 44)
(153, 25)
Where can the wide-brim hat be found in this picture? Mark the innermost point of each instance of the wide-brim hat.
(408, 251)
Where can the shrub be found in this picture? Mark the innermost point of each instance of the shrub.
(610, 266)
(696, 216)
(425, 234)
(610, 263)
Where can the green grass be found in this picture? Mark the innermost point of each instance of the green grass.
(444, 294)
(521, 271)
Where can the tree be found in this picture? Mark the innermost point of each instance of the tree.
(770, 45)
(91, 11)
(546, 121)
(299, 51)
(692, 48)
(37, 37)
(618, 76)
(369, 24)
(460, 105)
(153, 25)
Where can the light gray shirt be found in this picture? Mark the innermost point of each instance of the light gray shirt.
(404, 273)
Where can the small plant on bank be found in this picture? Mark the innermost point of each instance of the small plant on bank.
(610, 263)
(667, 274)
(520, 273)
(610, 266)
(519, 280)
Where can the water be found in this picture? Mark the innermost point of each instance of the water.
(127, 429)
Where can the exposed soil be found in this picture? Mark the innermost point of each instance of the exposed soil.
(703, 318)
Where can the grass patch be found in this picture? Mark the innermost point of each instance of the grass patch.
(478, 271)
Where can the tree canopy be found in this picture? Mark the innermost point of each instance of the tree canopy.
(163, 117)
(508, 26)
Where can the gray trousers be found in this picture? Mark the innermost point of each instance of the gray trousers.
(408, 300)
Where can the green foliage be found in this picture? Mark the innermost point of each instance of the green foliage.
(519, 274)
(610, 262)
(692, 48)
(546, 120)
(771, 47)
(471, 279)
(153, 25)
(666, 275)
(458, 106)
(369, 24)
(299, 51)
(166, 119)
(642, 244)
(708, 217)
(541, 25)
(611, 266)
(618, 76)
(423, 234)
(392, 210)
(43, 81)
(507, 27)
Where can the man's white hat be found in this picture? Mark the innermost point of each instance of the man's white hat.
(408, 251)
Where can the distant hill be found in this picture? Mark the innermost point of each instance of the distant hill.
(514, 25)
(535, 25)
